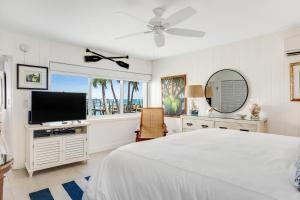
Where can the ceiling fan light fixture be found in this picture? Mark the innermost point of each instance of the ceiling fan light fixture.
(159, 11)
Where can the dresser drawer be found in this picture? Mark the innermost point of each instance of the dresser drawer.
(193, 124)
(236, 126)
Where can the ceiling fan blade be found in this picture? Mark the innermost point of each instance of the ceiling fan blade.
(132, 17)
(132, 34)
(180, 16)
(159, 38)
(185, 32)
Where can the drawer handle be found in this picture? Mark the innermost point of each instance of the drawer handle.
(222, 127)
(244, 130)
(204, 126)
(189, 124)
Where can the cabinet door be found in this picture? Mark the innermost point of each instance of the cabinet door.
(47, 152)
(74, 148)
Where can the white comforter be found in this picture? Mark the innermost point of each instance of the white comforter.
(208, 164)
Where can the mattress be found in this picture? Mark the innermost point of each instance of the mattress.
(208, 164)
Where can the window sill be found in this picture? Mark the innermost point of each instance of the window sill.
(124, 117)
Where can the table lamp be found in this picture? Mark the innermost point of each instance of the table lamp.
(194, 92)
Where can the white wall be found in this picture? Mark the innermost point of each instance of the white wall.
(260, 60)
(104, 135)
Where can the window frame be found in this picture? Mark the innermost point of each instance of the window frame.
(145, 87)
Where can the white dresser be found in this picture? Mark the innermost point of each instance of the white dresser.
(198, 122)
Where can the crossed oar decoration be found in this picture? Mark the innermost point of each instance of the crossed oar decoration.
(97, 57)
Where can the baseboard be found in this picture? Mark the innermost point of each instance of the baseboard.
(110, 146)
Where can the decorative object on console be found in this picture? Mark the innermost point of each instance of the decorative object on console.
(226, 91)
(194, 92)
(32, 77)
(209, 111)
(173, 90)
(97, 57)
(295, 81)
(254, 111)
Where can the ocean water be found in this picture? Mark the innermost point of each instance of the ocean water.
(96, 106)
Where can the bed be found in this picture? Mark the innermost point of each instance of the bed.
(207, 164)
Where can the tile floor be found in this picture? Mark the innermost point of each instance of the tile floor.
(18, 184)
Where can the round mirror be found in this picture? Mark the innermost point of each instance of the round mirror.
(226, 91)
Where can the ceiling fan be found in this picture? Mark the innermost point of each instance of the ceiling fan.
(158, 25)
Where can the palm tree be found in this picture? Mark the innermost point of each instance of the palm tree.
(114, 94)
(103, 83)
(135, 88)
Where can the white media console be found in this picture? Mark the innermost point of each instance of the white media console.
(55, 149)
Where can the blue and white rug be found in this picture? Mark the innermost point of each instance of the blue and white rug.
(72, 190)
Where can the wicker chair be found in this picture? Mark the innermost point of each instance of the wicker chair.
(152, 124)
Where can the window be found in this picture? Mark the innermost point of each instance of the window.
(133, 96)
(69, 83)
(104, 96)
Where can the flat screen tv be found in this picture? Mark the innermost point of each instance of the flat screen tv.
(57, 106)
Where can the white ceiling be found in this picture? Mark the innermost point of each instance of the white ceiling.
(95, 23)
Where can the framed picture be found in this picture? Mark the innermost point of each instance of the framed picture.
(295, 81)
(173, 100)
(32, 77)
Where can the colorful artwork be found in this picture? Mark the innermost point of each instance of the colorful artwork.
(173, 101)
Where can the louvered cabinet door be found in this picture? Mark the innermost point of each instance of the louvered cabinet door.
(74, 148)
(47, 152)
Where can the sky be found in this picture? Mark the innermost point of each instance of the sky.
(67, 83)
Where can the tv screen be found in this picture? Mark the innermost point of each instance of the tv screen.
(57, 106)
